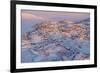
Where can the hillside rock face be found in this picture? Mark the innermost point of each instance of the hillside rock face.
(57, 41)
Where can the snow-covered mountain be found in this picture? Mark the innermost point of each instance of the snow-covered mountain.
(57, 41)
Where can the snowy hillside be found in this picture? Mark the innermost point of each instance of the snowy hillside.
(57, 41)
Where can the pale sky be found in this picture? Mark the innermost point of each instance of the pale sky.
(53, 16)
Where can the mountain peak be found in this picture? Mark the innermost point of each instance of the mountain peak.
(67, 21)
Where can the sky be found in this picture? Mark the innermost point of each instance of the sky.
(52, 15)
